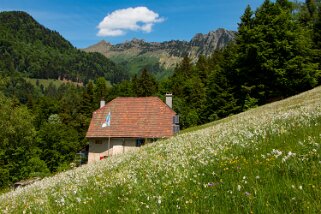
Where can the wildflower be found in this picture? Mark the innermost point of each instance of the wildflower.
(257, 177)
(239, 187)
(290, 154)
(276, 153)
(300, 187)
(159, 201)
(211, 184)
(247, 193)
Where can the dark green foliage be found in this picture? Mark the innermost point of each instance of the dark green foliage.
(145, 85)
(220, 98)
(202, 67)
(18, 150)
(123, 89)
(88, 103)
(18, 87)
(59, 144)
(46, 137)
(274, 53)
(21, 26)
(101, 89)
(188, 87)
(31, 49)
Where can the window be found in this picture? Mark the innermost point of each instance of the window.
(176, 119)
(176, 129)
(98, 141)
(140, 142)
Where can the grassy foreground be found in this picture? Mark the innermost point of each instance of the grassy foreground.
(266, 160)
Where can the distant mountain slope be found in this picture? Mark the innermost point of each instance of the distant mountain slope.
(20, 26)
(37, 52)
(164, 54)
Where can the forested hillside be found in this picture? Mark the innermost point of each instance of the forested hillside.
(43, 126)
(37, 52)
(276, 54)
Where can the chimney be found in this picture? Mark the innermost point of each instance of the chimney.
(169, 99)
(102, 103)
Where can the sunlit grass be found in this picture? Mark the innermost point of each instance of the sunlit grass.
(266, 160)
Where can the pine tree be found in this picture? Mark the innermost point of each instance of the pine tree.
(312, 8)
(182, 72)
(274, 58)
(100, 89)
(220, 97)
(202, 68)
(88, 105)
(185, 67)
(145, 85)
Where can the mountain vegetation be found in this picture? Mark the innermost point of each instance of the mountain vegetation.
(44, 119)
(275, 54)
(37, 52)
(161, 58)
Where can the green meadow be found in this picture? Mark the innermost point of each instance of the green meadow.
(265, 160)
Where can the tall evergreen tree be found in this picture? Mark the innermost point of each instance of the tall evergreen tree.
(88, 102)
(275, 59)
(182, 72)
(146, 85)
(101, 89)
(220, 97)
(202, 68)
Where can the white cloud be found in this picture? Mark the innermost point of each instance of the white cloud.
(135, 19)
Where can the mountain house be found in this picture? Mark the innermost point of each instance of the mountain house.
(126, 123)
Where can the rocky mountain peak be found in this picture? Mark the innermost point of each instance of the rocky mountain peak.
(168, 53)
(211, 41)
(104, 43)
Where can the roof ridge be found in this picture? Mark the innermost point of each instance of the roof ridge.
(124, 98)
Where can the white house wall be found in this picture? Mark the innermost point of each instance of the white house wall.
(130, 145)
(117, 146)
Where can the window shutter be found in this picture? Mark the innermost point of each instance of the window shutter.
(176, 119)
(176, 129)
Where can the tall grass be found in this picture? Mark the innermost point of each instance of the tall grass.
(266, 160)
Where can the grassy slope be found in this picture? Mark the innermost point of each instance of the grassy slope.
(266, 160)
(56, 83)
(135, 64)
(45, 82)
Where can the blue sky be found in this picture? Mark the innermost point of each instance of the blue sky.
(151, 20)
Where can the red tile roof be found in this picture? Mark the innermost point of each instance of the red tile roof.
(142, 117)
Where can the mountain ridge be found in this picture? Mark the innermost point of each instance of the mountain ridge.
(31, 49)
(167, 53)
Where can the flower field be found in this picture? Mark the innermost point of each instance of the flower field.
(265, 160)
